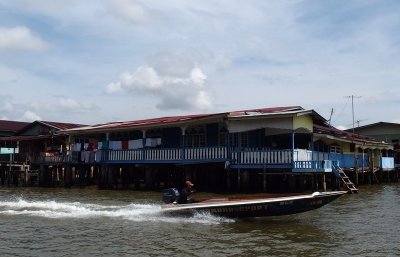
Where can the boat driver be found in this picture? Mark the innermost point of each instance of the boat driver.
(186, 191)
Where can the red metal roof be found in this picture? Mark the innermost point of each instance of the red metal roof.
(154, 121)
(62, 126)
(184, 118)
(8, 125)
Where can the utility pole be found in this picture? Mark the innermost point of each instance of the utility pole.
(352, 106)
(355, 155)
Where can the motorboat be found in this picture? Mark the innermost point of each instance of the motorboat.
(251, 206)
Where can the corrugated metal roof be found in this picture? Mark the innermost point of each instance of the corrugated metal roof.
(346, 135)
(55, 125)
(146, 122)
(265, 110)
(8, 125)
(377, 124)
(25, 138)
(61, 126)
(164, 121)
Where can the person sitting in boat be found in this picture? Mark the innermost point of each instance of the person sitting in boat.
(186, 191)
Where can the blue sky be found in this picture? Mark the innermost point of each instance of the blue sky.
(100, 61)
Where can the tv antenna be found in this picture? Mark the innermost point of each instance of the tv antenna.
(352, 106)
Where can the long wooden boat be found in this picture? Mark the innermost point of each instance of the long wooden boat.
(254, 206)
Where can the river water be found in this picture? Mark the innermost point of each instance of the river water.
(91, 222)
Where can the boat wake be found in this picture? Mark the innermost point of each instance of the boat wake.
(76, 210)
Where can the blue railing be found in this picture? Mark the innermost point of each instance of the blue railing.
(300, 160)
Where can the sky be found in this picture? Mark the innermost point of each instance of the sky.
(99, 61)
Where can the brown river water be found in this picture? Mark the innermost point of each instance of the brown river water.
(91, 222)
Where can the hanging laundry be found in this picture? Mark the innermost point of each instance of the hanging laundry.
(135, 144)
(125, 144)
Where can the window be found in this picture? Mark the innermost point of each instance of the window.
(243, 138)
(196, 137)
(223, 136)
(335, 149)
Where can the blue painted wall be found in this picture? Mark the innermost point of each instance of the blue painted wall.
(256, 138)
(171, 137)
(212, 134)
(347, 160)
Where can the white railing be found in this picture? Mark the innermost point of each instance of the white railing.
(302, 155)
(205, 153)
(52, 159)
(163, 154)
(248, 156)
(322, 166)
(267, 156)
(123, 155)
(243, 156)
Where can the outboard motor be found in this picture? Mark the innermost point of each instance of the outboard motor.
(170, 195)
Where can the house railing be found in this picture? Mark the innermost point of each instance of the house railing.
(246, 156)
(298, 160)
(267, 156)
(312, 166)
(50, 159)
(150, 154)
(16, 157)
(262, 156)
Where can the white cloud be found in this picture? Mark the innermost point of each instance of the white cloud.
(128, 11)
(7, 107)
(197, 76)
(184, 92)
(20, 38)
(30, 116)
(69, 103)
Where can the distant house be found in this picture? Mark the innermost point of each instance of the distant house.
(9, 128)
(384, 132)
(33, 145)
(38, 139)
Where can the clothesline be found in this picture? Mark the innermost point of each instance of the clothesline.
(116, 144)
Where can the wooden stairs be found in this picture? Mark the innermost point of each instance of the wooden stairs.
(339, 173)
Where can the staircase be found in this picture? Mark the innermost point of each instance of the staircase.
(339, 173)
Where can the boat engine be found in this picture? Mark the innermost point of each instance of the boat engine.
(170, 195)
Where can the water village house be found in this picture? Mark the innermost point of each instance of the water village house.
(385, 132)
(34, 147)
(9, 128)
(268, 149)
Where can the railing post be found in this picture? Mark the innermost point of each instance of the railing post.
(292, 148)
(182, 155)
(144, 144)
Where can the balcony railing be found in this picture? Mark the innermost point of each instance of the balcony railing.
(312, 166)
(245, 156)
(151, 155)
(263, 156)
(300, 160)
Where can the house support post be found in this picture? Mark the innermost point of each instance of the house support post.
(68, 176)
(149, 178)
(264, 179)
(239, 180)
